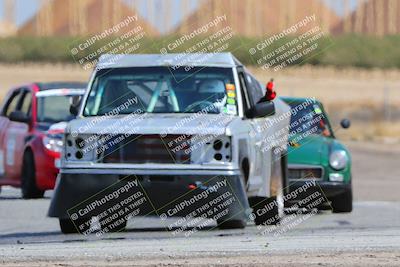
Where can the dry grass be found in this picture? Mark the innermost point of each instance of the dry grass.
(330, 85)
(352, 93)
(20, 74)
(347, 93)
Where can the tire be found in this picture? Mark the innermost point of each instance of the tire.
(28, 179)
(121, 227)
(285, 174)
(237, 224)
(68, 227)
(232, 224)
(270, 211)
(265, 215)
(343, 202)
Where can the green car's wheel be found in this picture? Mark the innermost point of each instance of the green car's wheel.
(343, 202)
(28, 179)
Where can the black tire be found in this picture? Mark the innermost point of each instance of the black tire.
(120, 228)
(343, 202)
(68, 227)
(232, 224)
(28, 179)
(237, 224)
(285, 174)
(265, 215)
(107, 228)
(270, 211)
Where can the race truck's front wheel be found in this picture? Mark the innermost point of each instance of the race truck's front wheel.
(28, 179)
(68, 227)
(270, 211)
(232, 224)
(236, 223)
(113, 226)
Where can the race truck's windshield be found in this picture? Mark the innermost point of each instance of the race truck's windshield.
(308, 119)
(162, 90)
(53, 108)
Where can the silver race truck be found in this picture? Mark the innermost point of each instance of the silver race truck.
(175, 136)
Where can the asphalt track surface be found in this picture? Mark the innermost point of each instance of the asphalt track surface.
(369, 236)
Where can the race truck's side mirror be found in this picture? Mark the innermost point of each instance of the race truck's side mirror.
(345, 123)
(262, 109)
(74, 105)
(19, 116)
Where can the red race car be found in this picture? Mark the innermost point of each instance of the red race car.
(31, 131)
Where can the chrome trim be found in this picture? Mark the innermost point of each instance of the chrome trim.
(150, 172)
(305, 166)
(149, 166)
(304, 180)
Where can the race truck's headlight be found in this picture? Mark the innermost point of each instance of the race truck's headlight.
(80, 148)
(53, 142)
(338, 159)
(211, 149)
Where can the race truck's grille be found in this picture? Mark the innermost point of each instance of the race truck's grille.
(147, 149)
(296, 173)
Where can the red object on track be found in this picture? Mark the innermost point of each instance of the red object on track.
(270, 94)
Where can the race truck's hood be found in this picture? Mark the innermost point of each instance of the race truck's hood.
(162, 124)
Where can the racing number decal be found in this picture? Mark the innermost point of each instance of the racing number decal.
(11, 142)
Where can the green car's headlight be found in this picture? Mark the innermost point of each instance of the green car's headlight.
(338, 160)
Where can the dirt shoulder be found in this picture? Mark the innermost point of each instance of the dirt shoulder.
(19, 74)
(364, 259)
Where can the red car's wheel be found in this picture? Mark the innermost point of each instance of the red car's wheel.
(28, 179)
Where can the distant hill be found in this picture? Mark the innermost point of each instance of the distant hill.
(81, 17)
(7, 29)
(257, 18)
(373, 17)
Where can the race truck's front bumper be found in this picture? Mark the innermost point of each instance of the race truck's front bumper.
(167, 193)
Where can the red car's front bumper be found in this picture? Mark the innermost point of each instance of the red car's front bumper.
(46, 171)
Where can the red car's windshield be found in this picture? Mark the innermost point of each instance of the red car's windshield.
(54, 109)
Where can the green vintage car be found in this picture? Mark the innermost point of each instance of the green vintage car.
(314, 154)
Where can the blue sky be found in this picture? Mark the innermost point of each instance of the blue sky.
(25, 9)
